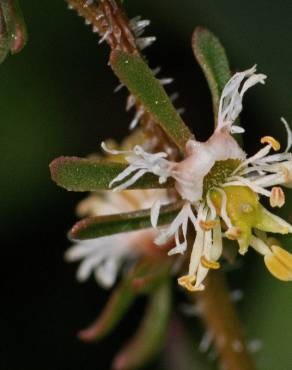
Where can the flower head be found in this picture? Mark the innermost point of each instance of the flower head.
(221, 187)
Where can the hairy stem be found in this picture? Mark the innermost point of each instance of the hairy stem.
(109, 20)
(222, 321)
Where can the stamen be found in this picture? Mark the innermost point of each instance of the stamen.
(187, 281)
(233, 233)
(271, 141)
(210, 264)
(271, 180)
(289, 134)
(217, 246)
(279, 263)
(211, 206)
(198, 246)
(260, 246)
(207, 225)
(223, 210)
(239, 181)
(277, 198)
(260, 154)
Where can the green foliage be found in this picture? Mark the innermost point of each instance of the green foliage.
(139, 79)
(124, 295)
(150, 337)
(83, 174)
(95, 227)
(211, 57)
(116, 306)
(13, 34)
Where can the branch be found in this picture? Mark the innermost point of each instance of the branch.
(109, 20)
(222, 321)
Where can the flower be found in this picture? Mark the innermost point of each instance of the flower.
(104, 256)
(220, 187)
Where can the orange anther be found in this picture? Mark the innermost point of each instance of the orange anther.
(271, 141)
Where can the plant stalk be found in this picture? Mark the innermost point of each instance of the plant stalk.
(221, 319)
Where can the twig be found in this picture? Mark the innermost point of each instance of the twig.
(109, 20)
(222, 321)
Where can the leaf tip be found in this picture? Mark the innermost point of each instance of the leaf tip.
(199, 31)
(54, 167)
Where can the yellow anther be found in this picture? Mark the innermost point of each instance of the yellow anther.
(187, 281)
(279, 263)
(207, 225)
(277, 198)
(214, 265)
(233, 233)
(271, 141)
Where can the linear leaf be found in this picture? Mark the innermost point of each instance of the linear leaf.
(123, 296)
(114, 310)
(212, 58)
(150, 336)
(141, 82)
(82, 174)
(5, 38)
(95, 227)
(13, 35)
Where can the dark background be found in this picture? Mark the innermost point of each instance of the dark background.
(57, 98)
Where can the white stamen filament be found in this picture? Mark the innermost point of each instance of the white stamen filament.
(260, 246)
(198, 246)
(289, 134)
(223, 210)
(238, 180)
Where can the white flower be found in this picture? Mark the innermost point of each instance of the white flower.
(105, 256)
(217, 181)
(102, 256)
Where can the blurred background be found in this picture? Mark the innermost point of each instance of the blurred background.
(56, 99)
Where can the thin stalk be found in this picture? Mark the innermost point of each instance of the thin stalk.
(222, 321)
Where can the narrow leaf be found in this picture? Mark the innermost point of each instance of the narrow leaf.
(150, 337)
(95, 227)
(116, 307)
(122, 298)
(19, 38)
(4, 37)
(212, 58)
(141, 82)
(82, 174)
(152, 274)
(13, 33)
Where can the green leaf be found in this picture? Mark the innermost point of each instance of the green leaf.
(95, 227)
(117, 305)
(5, 39)
(141, 82)
(20, 32)
(212, 58)
(82, 174)
(153, 272)
(150, 337)
(13, 33)
(122, 298)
